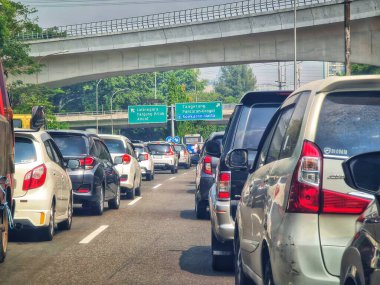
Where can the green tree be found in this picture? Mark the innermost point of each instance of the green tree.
(16, 18)
(364, 69)
(235, 80)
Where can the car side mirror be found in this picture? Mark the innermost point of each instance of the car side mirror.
(118, 160)
(213, 149)
(362, 172)
(73, 164)
(237, 159)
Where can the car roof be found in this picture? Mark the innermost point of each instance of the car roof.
(73, 132)
(255, 97)
(159, 142)
(341, 83)
(139, 144)
(37, 135)
(120, 137)
(216, 134)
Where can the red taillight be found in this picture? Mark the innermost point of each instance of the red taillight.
(126, 158)
(146, 156)
(87, 162)
(306, 185)
(207, 169)
(170, 152)
(83, 190)
(224, 187)
(34, 178)
(340, 203)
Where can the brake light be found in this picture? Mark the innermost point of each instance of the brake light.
(126, 158)
(83, 190)
(146, 156)
(170, 152)
(34, 178)
(224, 187)
(340, 203)
(306, 185)
(207, 169)
(87, 162)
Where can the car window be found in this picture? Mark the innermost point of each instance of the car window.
(56, 152)
(51, 152)
(130, 149)
(349, 124)
(71, 145)
(159, 148)
(279, 134)
(139, 149)
(252, 124)
(293, 131)
(115, 145)
(24, 150)
(103, 153)
(230, 130)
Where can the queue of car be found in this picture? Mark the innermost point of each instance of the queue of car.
(293, 194)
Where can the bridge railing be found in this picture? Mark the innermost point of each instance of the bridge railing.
(182, 17)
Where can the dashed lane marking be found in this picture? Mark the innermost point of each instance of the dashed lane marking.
(134, 201)
(93, 235)
(172, 178)
(155, 187)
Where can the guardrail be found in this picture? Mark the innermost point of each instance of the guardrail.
(182, 17)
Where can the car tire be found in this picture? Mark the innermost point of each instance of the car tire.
(176, 169)
(66, 225)
(268, 276)
(115, 202)
(98, 208)
(47, 233)
(200, 210)
(149, 177)
(240, 277)
(172, 170)
(221, 262)
(138, 189)
(131, 193)
(4, 235)
(188, 166)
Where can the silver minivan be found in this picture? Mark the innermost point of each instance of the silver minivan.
(296, 214)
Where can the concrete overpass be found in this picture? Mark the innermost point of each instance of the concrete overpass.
(243, 32)
(87, 120)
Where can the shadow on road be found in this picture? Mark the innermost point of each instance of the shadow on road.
(190, 191)
(187, 215)
(197, 260)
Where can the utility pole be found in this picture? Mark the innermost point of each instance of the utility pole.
(347, 35)
(280, 76)
(172, 120)
(295, 43)
(97, 106)
(155, 85)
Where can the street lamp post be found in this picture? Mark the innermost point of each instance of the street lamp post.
(295, 43)
(97, 106)
(113, 94)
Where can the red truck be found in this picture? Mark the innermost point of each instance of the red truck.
(6, 165)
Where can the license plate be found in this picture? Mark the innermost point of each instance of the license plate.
(157, 156)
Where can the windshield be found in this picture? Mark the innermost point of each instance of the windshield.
(115, 145)
(71, 145)
(178, 148)
(158, 148)
(349, 124)
(24, 150)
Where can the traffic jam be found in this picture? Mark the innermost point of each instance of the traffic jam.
(290, 186)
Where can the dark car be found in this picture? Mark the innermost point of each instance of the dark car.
(244, 131)
(205, 173)
(360, 263)
(96, 179)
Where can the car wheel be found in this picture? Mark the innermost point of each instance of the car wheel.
(268, 276)
(201, 210)
(222, 254)
(149, 177)
(240, 277)
(138, 189)
(115, 202)
(131, 193)
(66, 225)
(48, 232)
(99, 205)
(188, 165)
(4, 235)
(176, 169)
(172, 170)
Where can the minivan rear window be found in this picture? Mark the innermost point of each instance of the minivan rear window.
(115, 146)
(71, 145)
(158, 148)
(349, 124)
(252, 124)
(24, 150)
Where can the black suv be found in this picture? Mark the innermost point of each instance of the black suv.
(244, 131)
(95, 180)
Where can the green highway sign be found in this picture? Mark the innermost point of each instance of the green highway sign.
(147, 114)
(207, 111)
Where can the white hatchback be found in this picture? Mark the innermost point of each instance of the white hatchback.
(145, 161)
(43, 192)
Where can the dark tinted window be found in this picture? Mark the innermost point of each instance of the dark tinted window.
(279, 134)
(158, 148)
(139, 149)
(293, 131)
(252, 124)
(24, 151)
(71, 145)
(102, 151)
(17, 123)
(349, 123)
(230, 130)
(115, 145)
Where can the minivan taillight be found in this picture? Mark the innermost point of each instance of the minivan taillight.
(306, 182)
(87, 162)
(340, 203)
(224, 186)
(207, 169)
(34, 178)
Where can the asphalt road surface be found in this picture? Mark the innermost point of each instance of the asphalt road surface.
(152, 240)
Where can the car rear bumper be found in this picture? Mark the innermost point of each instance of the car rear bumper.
(92, 196)
(126, 181)
(163, 166)
(205, 184)
(145, 172)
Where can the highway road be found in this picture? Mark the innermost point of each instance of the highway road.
(155, 239)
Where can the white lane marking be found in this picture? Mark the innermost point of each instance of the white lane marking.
(185, 173)
(134, 201)
(93, 235)
(172, 178)
(155, 187)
